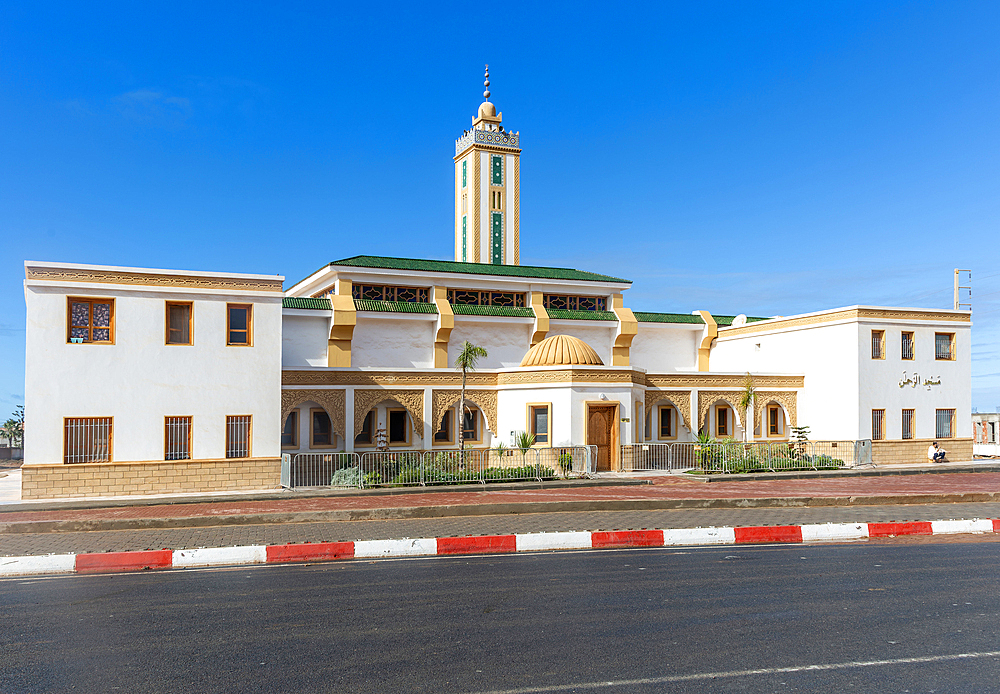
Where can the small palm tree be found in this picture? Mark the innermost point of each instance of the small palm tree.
(524, 440)
(466, 360)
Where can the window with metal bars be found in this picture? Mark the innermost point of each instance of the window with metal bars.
(906, 346)
(382, 292)
(238, 436)
(944, 346)
(878, 344)
(908, 424)
(575, 303)
(878, 425)
(87, 440)
(177, 438)
(944, 421)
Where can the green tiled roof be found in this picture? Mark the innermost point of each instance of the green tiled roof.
(553, 273)
(305, 302)
(724, 321)
(567, 314)
(508, 311)
(394, 306)
(646, 317)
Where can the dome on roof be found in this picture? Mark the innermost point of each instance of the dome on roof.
(487, 110)
(561, 350)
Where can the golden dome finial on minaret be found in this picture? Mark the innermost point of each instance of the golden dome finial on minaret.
(486, 94)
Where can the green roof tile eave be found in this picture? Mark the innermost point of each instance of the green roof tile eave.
(393, 306)
(306, 303)
(568, 314)
(450, 266)
(651, 317)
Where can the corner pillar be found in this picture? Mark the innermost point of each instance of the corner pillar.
(445, 324)
(345, 318)
(711, 332)
(541, 328)
(628, 328)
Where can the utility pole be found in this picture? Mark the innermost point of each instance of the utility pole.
(959, 304)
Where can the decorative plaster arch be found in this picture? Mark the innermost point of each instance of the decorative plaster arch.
(333, 401)
(680, 399)
(485, 400)
(412, 400)
(708, 398)
(788, 399)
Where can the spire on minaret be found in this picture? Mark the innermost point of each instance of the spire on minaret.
(487, 110)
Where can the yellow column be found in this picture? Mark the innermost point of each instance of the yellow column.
(541, 319)
(628, 328)
(445, 324)
(711, 332)
(338, 349)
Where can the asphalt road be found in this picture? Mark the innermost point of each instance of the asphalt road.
(883, 618)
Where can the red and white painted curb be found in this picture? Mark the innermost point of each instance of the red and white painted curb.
(110, 562)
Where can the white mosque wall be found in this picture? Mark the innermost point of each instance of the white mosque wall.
(396, 341)
(139, 379)
(304, 336)
(665, 347)
(505, 341)
(827, 355)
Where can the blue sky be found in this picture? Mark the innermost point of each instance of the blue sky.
(763, 158)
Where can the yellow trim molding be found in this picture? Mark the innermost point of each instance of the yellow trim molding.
(847, 314)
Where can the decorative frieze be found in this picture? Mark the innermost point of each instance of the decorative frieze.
(489, 138)
(412, 400)
(788, 399)
(707, 398)
(53, 274)
(715, 380)
(680, 399)
(485, 400)
(333, 401)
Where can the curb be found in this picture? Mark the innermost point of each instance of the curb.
(311, 552)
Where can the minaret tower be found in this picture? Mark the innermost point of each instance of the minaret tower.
(487, 177)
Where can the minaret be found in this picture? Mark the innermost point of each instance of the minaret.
(487, 177)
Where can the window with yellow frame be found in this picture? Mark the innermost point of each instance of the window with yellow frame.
(540, 422)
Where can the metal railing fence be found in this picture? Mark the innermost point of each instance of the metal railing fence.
(421, 468)
(735, 457)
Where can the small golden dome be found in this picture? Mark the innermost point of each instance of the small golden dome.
(487, 110)
(560, 350)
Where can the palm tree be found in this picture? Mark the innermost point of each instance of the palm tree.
(466, 360)
(746, 400)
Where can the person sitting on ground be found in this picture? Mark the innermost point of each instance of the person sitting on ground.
(935, 454)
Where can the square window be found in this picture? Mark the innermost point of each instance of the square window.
(177, 438)
(878, 344)
(238, 436)
(397, 427)
(290, 432)
(944, 424)
(539, 422)
(87, 440)
(878, 425)
(906, 346)
(91, 320)
(321, 431)
(944, 346)
(179, 323)
(907, 432)
(239, 319)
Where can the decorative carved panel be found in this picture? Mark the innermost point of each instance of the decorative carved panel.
(151, 279)
(333, 401)
(789, 399)
(412, 400)
(485, 400)
(708, 398)
(449, 377)
(715, 380)
(680, 399)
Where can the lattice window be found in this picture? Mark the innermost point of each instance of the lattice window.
(91, 320)
(575, 303)
(906, 346)
(878, 344)
(944, 421)
(907, 432)
(381, 292)
(944, 346)
(87, 440)
(471, 297)
(878, 425)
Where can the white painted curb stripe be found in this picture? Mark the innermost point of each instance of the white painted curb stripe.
(395, 548)
(536, 541)
(699, 536)
(834, 531)
(220, 556)
(48, 564)
(948, 527)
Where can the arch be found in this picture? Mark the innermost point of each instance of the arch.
(786, 398)
(485, 400)
(680, 399)
(334, 401)
(411, 400)
(708, 398)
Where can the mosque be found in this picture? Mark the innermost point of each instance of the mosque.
(143, 381)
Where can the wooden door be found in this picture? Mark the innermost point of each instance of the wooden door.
(601, 420)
